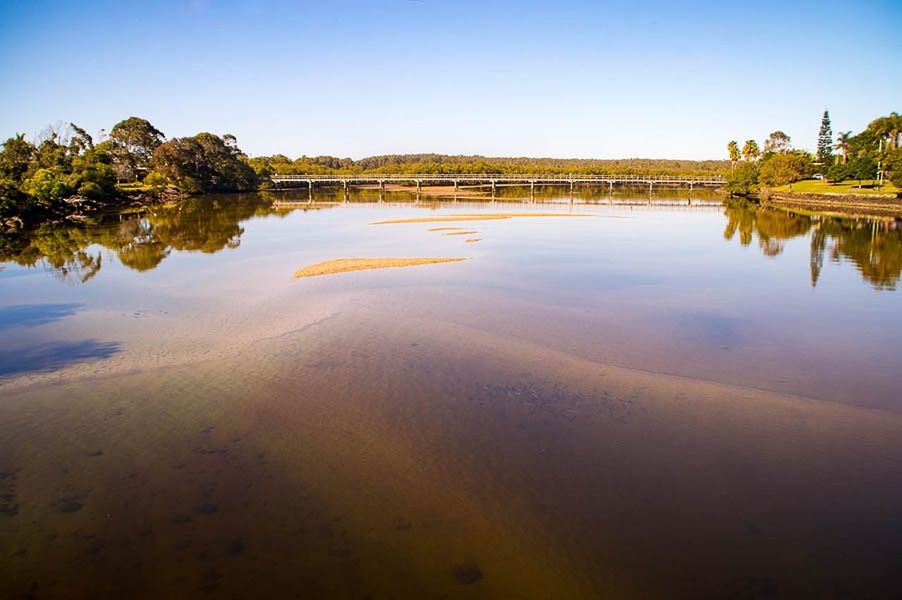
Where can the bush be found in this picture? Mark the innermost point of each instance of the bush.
(862, 168)
(743, 180)
(156, 181)
(90, 189)
(783, 168)
(46, 186)
(838, 173)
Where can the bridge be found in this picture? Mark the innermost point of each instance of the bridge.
(497, 180)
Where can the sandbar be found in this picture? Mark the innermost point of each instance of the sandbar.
(478, 217)
(344, 265)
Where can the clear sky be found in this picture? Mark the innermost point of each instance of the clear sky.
(603, 79)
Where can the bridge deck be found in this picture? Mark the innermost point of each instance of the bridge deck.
(489, 178)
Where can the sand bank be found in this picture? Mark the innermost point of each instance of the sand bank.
(344, 265)
(478, 217)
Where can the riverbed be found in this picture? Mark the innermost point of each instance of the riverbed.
(611, 397)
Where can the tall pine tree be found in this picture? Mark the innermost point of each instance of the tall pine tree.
(825, 143)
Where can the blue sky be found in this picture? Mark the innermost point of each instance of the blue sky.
(601, 79)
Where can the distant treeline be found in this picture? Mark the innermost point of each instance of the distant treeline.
(451, 164)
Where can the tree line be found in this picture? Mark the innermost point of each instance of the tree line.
(63, 173)
(874, 153)
(401, 164)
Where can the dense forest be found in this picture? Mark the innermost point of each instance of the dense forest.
(872, 154)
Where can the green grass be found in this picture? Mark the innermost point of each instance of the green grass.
(814, 186)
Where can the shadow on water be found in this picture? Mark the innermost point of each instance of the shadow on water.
(32, 315)
(53, 355)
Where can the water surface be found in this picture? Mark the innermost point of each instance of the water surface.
(658, 400)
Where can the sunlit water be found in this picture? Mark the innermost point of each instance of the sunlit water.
(650, 401)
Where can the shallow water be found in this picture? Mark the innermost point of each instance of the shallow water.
(651, 401)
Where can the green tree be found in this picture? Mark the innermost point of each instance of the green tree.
(861, 168)
(776, 142)
(743, 180)
(784, 168)
(16, 157)
(733, 150)
(80, 141)
(825, 142)
(133, 143)
(47, 186)
(888, 128)
(750, 150)
(838, 172)
(894, 166)
(204, 163)
(843, 143)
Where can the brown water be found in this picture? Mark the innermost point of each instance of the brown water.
(650, 402)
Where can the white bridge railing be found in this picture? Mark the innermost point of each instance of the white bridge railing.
(499, 178)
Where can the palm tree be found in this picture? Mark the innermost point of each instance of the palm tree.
(843, 143)
(888, 128)
(750, 150)
(733, 149)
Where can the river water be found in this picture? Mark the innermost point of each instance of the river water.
(646, 400)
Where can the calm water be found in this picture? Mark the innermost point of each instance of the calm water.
(648, 401)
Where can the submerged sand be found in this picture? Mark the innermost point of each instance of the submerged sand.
(460, 233)
(479, 217)
(472, 240)
(344, 265)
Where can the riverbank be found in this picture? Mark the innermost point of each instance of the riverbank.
(844, 188)
(83, 210)
(846, 204)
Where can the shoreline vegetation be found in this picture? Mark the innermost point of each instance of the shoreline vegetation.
(62, 175)
(867, 164)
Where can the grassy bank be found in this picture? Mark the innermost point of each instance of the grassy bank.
(846, 188)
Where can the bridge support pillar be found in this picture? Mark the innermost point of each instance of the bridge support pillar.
(310, 190)
(455, 186)
(649, 187)
(418, 187)
(532, 191)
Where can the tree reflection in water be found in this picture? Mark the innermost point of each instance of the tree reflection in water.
(213, 223)
(873, 246)
(141, 242)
